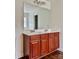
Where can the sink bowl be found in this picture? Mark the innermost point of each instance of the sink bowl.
(43, 30)
(39, 31)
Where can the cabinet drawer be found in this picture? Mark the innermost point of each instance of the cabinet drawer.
(35, 41)
(56, 34)
(51, 35)
(35, 37)
(44, 36)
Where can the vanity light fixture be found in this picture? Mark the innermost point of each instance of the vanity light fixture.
(39, 2)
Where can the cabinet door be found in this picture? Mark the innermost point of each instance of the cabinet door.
(35, 47)
(51, 42)
(44, 44)
(56, 38)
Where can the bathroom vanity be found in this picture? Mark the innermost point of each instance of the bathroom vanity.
(38, 45)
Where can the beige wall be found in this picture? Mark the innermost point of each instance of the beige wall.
(57, 18)
(56, 23)
(19, 27)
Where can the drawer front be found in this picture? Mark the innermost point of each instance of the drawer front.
(44, 36)
(35, 37)
(56, 34)
(51, 35)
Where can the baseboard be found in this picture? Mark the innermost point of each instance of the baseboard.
(24, 57)
(60, 49)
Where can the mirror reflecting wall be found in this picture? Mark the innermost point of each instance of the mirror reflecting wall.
(36, 17)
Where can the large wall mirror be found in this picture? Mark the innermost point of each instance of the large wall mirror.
(36, 17)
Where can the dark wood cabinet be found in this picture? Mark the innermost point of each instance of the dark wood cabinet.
(36, 46)
(56, 38)
(51, 42)
(35, 49)
(44, 44)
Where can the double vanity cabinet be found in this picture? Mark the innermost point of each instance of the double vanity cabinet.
(39, 45)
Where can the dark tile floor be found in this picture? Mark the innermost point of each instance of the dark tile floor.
(55, 55)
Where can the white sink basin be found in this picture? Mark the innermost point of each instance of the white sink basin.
(39, 31)
(42, 30)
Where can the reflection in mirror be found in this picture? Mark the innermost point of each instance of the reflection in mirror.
(36, 21)
(26, 20)
(36, 17)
